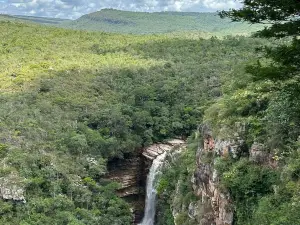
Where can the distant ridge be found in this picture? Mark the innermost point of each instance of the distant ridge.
(116, 21)
(35, 19)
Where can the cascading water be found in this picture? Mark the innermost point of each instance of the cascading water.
(149, 216)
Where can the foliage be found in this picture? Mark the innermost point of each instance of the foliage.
(3, 150)
(283, 15)
(247, 183)
(182, 218)
(281, 65)
(280, 207)
(174, 187)
(71, 101)
(265, 99)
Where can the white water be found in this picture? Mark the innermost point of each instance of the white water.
(149, 216)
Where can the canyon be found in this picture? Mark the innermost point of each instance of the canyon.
(131, 172)
(214, 205)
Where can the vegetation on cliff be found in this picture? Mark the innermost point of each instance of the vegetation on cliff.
(263, 99)
(174, 189)
(266, 101)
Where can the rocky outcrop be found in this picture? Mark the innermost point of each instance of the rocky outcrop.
(260, 155)
(155, 150)
(11, 188)
(215, 204)
(131, 173)
(128, 173)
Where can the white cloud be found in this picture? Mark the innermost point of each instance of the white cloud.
(74, 8)
(220, 4)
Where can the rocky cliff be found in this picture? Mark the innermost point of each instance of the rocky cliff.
(214, 206)
(209, 205)
(131, 172)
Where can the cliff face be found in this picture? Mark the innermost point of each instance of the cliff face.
(214, 206)
(131, 172)
(155, 150)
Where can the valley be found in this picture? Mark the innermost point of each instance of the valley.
(87, 106)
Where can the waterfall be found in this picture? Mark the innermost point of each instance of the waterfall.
(149, 216)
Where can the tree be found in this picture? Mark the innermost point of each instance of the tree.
(281, 64)
(281, 118)
(282, 15)
(283, 20)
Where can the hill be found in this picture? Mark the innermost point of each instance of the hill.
(116, 21)
(110, 20)
(34, 19)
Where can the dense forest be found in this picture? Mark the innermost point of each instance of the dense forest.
(72, 100)
(259, 105)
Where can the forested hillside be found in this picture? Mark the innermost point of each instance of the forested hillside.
(247, 146)
(71, 101)
(74, 103)
(33, 19)
(116, 21)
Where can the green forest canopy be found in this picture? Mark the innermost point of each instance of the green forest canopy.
(72, 100)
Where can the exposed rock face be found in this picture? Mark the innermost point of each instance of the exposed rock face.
(193, 210)
(260, 155)
(215, 205)
(131, 172)
(155, 150)
(11, 188)
(127, 172)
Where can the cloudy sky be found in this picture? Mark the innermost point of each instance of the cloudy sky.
(73, 9)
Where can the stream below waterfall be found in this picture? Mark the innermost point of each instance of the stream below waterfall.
(155, 169)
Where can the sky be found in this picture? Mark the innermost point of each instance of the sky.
(72, 9)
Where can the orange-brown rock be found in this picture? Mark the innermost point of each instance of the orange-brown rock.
(215, 203)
